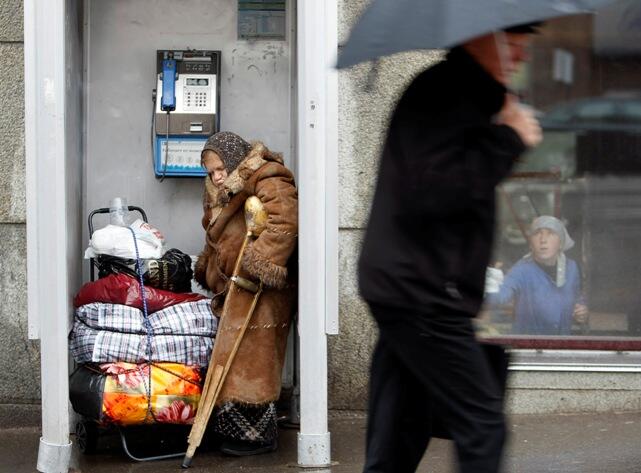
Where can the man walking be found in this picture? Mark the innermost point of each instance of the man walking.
(454, 136)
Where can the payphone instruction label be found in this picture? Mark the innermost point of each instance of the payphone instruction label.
(261, 19)
(184, 154)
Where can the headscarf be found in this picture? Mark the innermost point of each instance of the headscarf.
(231, 148)
(558, 227)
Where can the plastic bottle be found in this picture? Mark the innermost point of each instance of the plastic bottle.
(119, 212)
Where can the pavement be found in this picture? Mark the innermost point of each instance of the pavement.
(594, 443)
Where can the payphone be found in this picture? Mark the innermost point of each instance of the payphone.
(186, 110)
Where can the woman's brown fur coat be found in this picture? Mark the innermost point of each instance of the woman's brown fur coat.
(254, 377)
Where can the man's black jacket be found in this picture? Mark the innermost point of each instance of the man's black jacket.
(431, 226)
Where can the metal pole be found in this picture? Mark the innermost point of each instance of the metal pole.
(331, 166)
(317, 228)
(47, 220)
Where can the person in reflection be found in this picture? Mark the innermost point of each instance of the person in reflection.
(545, 285)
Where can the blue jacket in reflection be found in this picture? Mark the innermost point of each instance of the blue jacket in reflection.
(541, 308)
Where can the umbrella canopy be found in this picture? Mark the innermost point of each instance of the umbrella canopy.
(392, 26)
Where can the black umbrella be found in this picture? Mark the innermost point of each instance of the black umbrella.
(392, 26)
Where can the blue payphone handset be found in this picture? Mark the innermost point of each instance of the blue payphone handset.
(167, 102)
(187, 111)
(168, 77)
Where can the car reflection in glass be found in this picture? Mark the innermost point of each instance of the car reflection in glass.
(615, 112)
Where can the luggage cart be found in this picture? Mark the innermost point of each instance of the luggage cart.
(87, 430)
(105, 210)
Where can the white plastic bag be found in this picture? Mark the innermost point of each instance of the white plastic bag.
(117, 241)
(493, 280)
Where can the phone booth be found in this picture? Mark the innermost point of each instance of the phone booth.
(120, 95)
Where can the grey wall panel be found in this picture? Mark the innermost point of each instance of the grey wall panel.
(539, 392)
(348, 12)
(367, 97)
(12, 163)
(19, 357)
(350, 352)
(11, 20)
(123, 38)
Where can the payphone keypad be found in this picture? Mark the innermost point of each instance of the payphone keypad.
(197, 94)
(196, 100)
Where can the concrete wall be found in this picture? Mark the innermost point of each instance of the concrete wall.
(539, 392)
(19, 357)
(367, 95)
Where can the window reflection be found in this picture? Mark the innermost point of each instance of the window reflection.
(585, 82)
(543, 288)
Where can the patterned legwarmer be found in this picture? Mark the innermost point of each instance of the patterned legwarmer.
(246, 422)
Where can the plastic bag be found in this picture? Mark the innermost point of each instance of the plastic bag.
(108, 333)
(172, 272)
(493, 280)
(123, 393)
(115, 240)
(125, 290)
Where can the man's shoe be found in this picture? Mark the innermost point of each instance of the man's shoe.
(239, 448)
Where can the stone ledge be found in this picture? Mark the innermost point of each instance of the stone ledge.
(575, 381)
(564, 401)
(20, 415)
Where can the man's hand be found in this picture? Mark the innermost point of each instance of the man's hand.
(580, 313)
(522, 120)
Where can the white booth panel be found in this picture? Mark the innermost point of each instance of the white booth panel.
(122, 37)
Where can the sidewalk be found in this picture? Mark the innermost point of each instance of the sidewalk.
(552, 443)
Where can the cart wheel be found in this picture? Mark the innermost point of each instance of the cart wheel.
(87, 436)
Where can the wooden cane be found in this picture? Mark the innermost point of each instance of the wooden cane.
(215, 387)
(215, 378)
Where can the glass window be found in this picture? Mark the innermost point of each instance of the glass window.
(567, 259)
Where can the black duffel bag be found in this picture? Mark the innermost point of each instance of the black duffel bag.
(172, 272)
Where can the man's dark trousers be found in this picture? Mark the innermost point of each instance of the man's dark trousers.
(427, 364)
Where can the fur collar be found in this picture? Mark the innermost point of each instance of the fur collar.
(216, 198)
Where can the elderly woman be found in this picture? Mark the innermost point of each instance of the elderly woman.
(544, 285)
(246, 414)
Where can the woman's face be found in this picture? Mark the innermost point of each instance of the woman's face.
(215, 168)
(546, 246)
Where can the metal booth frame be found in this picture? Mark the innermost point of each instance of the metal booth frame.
(54, 174)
